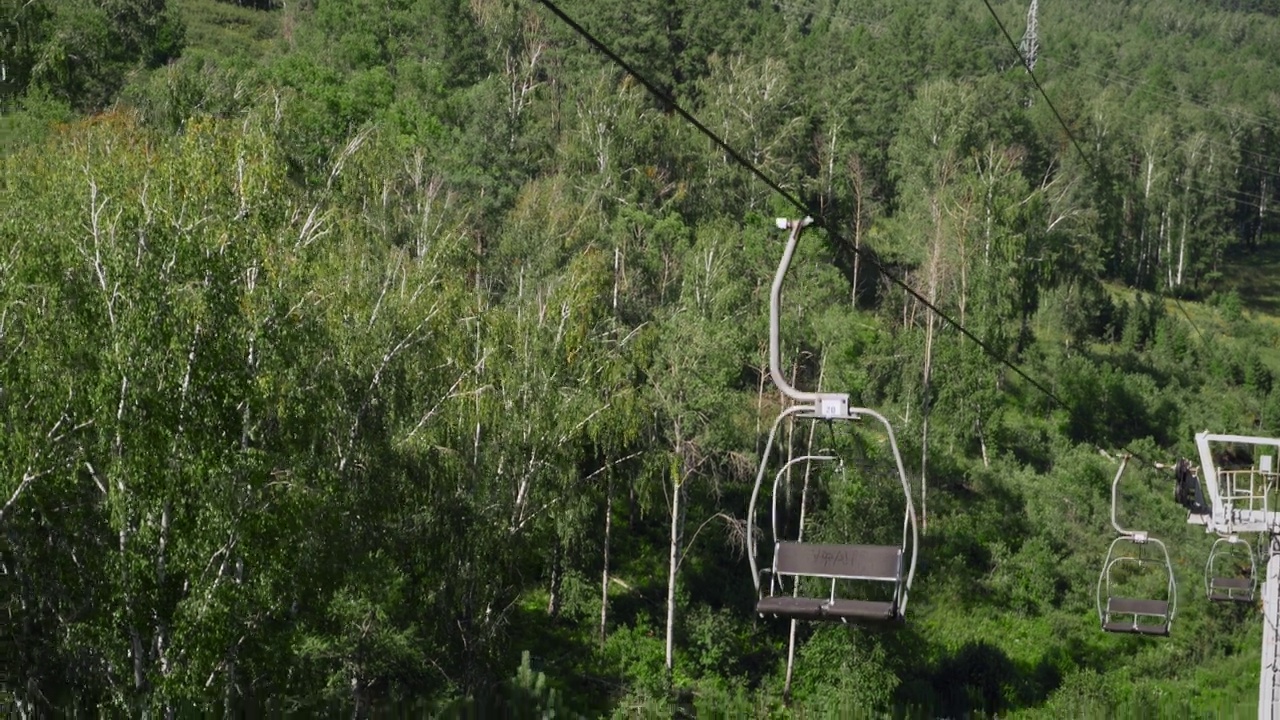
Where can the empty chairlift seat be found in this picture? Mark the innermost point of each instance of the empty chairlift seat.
(862, 564)
(1144, 617)
(1231, 572)
(1231, 589)
(882, 563)
(1137, 557)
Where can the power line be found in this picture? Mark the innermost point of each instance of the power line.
(797, 8)
(1237, 197)
(1218, 192)
(1232, 195)
(1018, 50)
(1188, 317)
(821, 219)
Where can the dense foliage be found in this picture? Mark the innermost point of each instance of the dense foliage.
(359, 354)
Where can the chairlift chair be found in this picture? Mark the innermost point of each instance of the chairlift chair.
(1118, 611)
(1223, 580)
(797, 559)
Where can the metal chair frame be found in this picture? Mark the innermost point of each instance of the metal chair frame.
(1220, 587)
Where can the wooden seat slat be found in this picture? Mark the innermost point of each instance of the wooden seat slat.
(861, 610)
(809, 608)
(824, 609)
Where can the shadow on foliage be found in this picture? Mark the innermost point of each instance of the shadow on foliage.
(978, 679)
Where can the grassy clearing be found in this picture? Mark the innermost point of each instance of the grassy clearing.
(1253, 323)
(229, 30)
(1255, 275)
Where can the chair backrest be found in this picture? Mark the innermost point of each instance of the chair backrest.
(849, 562)
(1130, 606)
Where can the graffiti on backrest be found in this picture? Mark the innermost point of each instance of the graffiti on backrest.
(832, 556)
(854, 561)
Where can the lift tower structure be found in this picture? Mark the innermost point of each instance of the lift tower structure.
(1242, 495)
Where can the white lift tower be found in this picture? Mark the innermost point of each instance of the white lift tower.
(1241, 490)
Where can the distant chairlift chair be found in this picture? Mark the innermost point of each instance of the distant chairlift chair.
(1145, 554)
(1222, 579)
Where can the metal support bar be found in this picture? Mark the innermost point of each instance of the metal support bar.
(755, 491)
(1270, 673)
(791, 661)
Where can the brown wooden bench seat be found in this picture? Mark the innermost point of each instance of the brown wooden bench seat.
(836, 562)
(1138, 609)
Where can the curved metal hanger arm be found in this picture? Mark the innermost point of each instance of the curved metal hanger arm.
(775, 303)
(832, 406)
(1115, 500)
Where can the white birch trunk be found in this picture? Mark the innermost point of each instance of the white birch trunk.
(677, 511)
(1182, 249)
(604, 575)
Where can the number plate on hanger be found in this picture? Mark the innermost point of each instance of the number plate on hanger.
(833, 405)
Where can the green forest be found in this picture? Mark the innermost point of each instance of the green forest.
(411, 356)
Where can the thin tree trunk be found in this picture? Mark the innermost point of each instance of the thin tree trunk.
(604, 575)
(231, 691)
(1182, 248)
(358, 699)
(987, 223)
(924, 474)
(553, 595)
(1146, 215)
(1262, 211)
(617, 274)
(935, 268)
(858, 176)
(1166, 239)
(677, 538)
(982, 443)
(677, 510)
(764, 373)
